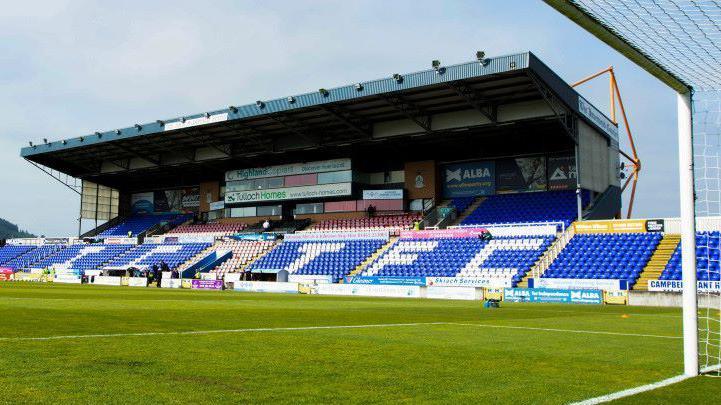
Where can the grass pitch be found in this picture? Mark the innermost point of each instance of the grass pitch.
(123, 345)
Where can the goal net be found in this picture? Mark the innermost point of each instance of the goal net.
(679, 42)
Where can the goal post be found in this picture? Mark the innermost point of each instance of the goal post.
(688, 234)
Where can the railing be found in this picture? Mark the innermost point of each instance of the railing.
(557, 224)
(552, 253)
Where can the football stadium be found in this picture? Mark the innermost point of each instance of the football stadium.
(454, 234)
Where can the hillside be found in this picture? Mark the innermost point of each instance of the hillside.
(10, 230)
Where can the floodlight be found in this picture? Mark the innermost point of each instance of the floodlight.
(117, 132)
(260, 104)
(65, 142)
(291, 99)
(81, 139)
(323, 92)
(161, 123)
(31, 143)
(45, 141)
(436, 64)
(398, 78)
(207, 115)
(358, 87)
(182, 119)
(138, 126)
(233, 108)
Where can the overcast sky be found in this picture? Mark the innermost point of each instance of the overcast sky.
(69, 68)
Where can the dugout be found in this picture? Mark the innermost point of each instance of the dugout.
(403, 132)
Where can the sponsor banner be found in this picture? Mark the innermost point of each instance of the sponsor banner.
(655, 225)
(193, 122)
(255, 236)
(120, 241)
(289, 169)
(443, 233)
(289, 193)
(266, 286)
(141, 282)
(515, 175)
(216, 205)
(597, 118)
(562, 173)
(206, 284)
(142, 202)
(396, 194)
(578, 284)
(387, 280)
(106, 280)
(232, 277)
(553, 295)
(191, 238)
(469, 179)
(468, 282)
(67, 279)
(400, 291)
(615, 297)
(677, 286)
(454, 293)
(330, 235)
(26, 241)
(31, 277)
(310, 278)
(6, 273)
(611, 226)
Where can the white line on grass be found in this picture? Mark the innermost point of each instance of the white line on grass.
(592, 332)
(208, 332)
(633, 391)
(302, 328)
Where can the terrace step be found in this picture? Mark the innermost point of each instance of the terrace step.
(373, 257)
(665, 249)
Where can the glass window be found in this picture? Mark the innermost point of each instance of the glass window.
(345, 176)
(269, 211)
(313, 208)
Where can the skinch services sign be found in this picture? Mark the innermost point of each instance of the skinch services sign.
(288, 170)
(469, 179)
(289, 193)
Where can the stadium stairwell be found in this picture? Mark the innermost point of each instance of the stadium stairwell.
(463, 215)
(665, 249)
(548, 257)
(197, 258)
(256, 258)
(373, 257)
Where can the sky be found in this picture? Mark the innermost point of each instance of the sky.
(70, 68)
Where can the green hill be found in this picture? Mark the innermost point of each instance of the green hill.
(10, 230)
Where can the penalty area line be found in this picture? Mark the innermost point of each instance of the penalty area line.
(590, 332)
(209, 332)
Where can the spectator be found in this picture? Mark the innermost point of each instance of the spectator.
(266, 225)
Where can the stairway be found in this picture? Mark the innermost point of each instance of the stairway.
(373, 257)
(658, 261)
(256, 258)
(545, 261)
(198, 257)
(463, 215)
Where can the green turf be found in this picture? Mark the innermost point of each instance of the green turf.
(414, 363)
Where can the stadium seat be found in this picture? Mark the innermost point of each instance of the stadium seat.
(551, 206)
(137, 224)
(707, 259)
(605, 256)
(335, 258)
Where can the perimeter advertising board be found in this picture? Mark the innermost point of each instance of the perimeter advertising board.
(266, 286)
(468, 282)
(289, 169)
(469, 179)
(207, 284)
(677, 286)
(289, 193)
(387, 280)
(611, 226)
(577, 283)
(553, 295)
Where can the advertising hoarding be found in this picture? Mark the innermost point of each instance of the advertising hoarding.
(289, 169)
(289, 193)
(469, 179)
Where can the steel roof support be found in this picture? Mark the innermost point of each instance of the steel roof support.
(410, 110)
(472, 98)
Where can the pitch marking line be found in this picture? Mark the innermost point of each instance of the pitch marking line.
(208, 332)
(304, 328)
(591, 332)
(633, 391)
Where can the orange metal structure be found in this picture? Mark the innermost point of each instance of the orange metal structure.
(614, 97)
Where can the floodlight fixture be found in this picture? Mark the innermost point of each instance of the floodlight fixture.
(323, 92)
(260, 104)
(233, 108)
(398, 78)
(358, 87)
(291, 99)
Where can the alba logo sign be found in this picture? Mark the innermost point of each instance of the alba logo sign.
(469, 179)
(466, 174)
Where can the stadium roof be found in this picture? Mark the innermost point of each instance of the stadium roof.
(324, 119)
